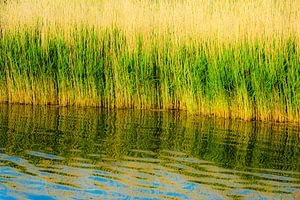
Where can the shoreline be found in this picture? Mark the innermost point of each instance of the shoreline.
(185, 113)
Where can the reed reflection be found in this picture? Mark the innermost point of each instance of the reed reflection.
(84, 152)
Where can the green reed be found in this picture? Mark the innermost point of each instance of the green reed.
(249, 79)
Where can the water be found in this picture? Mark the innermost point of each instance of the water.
(85, 153)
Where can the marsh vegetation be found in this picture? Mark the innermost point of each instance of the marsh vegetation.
(235, 59)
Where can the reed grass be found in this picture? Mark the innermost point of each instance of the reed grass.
(234, 59)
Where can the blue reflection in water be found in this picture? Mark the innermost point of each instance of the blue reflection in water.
(16, 183)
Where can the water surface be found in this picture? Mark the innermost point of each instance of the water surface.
(88, 153)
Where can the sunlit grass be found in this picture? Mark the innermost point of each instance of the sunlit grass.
(237, 59)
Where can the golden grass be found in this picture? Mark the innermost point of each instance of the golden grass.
(204, 19)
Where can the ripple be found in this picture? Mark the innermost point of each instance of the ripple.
(82, 165)
(45, 172)
(137, 159)
(188, 160)
(44, 155)
(142, 178)
(174, 153)
(143, 152)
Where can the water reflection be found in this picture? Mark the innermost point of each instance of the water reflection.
(79, 153)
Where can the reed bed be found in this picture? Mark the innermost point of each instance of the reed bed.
(232, 58)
